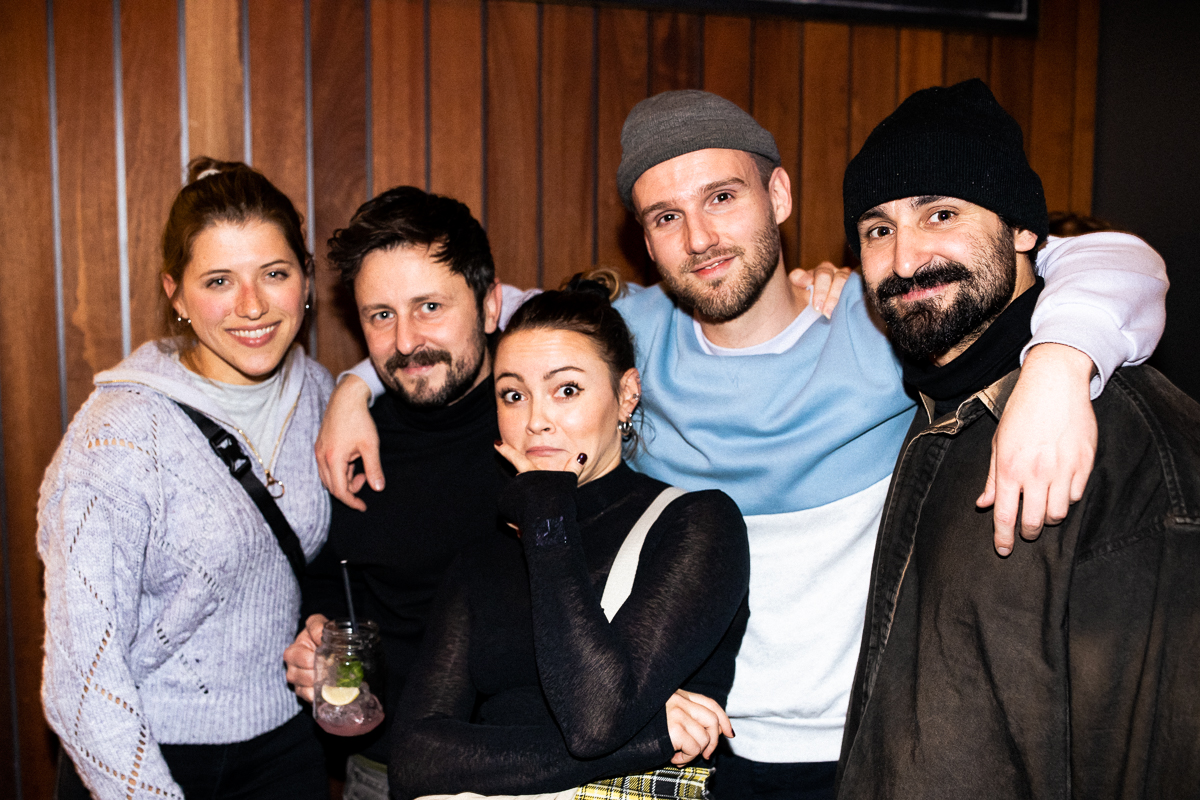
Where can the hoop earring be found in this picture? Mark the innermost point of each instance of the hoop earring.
(625, 426)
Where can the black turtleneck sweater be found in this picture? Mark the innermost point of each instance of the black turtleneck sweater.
(993, 355)
(523, 685)
(442, 479)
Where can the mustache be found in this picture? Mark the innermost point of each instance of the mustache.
(723, 252)
(421, 358)
(924, 278)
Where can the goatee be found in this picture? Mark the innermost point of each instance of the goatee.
(729, 297)
(925, 329)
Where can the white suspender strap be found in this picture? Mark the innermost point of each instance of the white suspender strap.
(624, 568)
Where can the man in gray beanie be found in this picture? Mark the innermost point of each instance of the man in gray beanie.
(1071, 667)
(749, 389)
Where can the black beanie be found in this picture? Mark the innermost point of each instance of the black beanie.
(954, 141)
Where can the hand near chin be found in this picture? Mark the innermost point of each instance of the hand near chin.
(522, 464)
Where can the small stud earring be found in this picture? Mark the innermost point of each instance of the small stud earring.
(179, 318)
(307, 306)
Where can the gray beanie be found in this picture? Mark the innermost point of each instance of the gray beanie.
(674, 123)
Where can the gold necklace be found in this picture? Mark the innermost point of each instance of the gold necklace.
(272, 481)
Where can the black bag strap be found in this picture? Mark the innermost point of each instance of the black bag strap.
(230, 452)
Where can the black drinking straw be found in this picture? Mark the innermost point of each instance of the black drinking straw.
(349, 599)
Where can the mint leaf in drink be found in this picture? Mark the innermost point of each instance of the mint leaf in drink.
(350, 673)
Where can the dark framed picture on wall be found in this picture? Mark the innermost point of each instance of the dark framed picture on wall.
(994, 16)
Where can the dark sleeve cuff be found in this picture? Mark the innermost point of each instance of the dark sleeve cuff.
(541, 505)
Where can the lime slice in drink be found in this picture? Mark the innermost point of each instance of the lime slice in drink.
(338, 695)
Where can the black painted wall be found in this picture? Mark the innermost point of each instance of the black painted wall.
(1147, 177)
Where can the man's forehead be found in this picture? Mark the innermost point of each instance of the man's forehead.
(690, 172)
(887, 208)
(408, 268)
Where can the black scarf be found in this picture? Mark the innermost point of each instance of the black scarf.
(993, 355)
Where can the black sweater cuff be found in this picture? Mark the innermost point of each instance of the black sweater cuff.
(542, 506)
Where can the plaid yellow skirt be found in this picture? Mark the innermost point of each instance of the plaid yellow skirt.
(687, 783)
(669, 783)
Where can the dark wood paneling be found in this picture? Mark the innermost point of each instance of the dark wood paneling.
(28, 357)
(1053, 113)
(920, 59)
(568, 142)
(512, 141)
(214, 78)
(456, 101)
(623, 78)
(398, 93)
(824, 136)
(277, 96)
(727, 53)
(150, 62)
(1087, 52)
(778, 45)
(967, 56)
(676, 51)
(88, 186)
(339, 163)
(1010, 76)
(873, 93)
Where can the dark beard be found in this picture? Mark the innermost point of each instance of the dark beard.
(925, 330)
(745, 289)
(459, 378)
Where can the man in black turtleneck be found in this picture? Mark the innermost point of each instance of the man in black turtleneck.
(1072, 666)
(427, 297)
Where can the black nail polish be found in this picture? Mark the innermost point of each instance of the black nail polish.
(581, 458)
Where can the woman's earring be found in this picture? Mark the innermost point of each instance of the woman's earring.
(180, 318)
(307, 306)
(625, 426)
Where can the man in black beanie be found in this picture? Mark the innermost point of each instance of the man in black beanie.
(1071, 667)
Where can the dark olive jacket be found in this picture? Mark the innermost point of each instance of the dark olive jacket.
(1070, 668)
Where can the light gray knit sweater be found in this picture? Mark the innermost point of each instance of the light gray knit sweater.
(168, 600)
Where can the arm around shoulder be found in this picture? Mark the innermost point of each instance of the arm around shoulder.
(1105, 295)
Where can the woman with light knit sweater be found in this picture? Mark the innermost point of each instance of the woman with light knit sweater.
(169, 601)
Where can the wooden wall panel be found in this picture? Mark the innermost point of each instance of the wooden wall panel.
(623, 62)
(568, 156)
(150, 63)
(824, 135)
(398, 93)
(1053, 112)
(776, 104)
(28, 355)
(677, 58)
(967, 56)
(456, 101)
(1010, 76)
(920, 60)
(873, 90)
(339, 164)
(214, 78)
(88, 175)
(277, 114)
(513, 209)
(728, 47)
(1087, 54)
